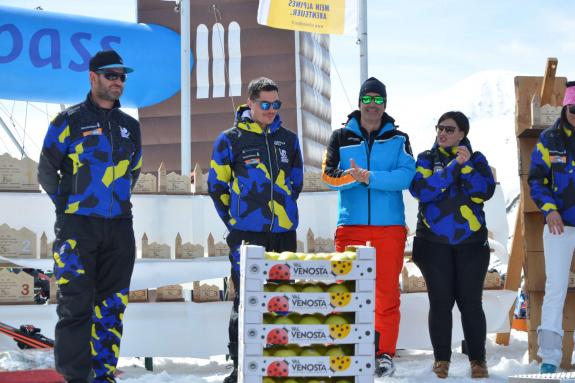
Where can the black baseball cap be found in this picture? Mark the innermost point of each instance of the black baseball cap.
(108, 59)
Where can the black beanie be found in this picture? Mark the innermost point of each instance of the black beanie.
(372, 85)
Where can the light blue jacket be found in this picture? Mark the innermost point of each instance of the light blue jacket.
(387, 154)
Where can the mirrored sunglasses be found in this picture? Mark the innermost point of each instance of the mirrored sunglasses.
(448, 129)
(113, 76)
(265, 105)
(377, 99)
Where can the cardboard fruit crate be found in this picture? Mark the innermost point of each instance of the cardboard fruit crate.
(255, 266)
(309, 302)
(274, 334)
(309, 366)
(268, 349)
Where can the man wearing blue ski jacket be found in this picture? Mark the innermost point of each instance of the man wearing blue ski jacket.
(370, 162)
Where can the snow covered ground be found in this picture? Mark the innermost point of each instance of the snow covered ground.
(412, 365)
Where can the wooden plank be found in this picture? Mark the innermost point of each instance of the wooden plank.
(567, 348)
(533, 232)
(528, 204)
(525, 147)
(533, 132)
(548, 82)
(514, 267)
(535, 271)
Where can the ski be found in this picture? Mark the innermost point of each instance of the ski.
(27, 336)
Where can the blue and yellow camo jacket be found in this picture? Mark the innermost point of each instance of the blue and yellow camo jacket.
(451, 196)
(90, 160)
(256, 176)
(551, 175)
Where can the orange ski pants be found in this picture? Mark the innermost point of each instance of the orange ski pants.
(389, 244)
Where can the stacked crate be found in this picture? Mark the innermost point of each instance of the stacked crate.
(337, 346)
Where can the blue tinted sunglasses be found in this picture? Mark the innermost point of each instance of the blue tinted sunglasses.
(265, 105)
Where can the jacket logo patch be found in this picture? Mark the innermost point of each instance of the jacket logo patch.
(283, 156)
(95, 132)
(252, 161)
(90, 127)
(354, 139)
(558, 159)
(279, 143)
(124, 132)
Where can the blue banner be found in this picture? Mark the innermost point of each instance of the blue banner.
(44, 57)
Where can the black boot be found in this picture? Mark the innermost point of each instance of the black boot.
(233, 377)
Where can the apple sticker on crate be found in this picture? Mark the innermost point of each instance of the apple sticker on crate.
(278, 304)
(279, 272)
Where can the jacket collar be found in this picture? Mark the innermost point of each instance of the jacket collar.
(244, 121)
(452, 151)
(354, 124)
(96, 108)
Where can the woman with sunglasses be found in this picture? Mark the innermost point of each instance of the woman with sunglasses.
(450, 247)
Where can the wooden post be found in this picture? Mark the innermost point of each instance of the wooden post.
(548, 81)
(514, 268)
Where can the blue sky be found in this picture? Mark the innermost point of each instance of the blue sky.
(418, 47)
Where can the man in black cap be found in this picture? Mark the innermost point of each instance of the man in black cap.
(370, 162)
(90, 162)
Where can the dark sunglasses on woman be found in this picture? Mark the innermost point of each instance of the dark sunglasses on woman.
(448, 129)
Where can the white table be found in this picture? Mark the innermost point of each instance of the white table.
(152, 273)
(187, 329)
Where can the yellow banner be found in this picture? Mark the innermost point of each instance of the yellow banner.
(320, 16)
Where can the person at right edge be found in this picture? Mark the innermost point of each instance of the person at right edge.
(370, 162)
(451, 247)
(552, 183)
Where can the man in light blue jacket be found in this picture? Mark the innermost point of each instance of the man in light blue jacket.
(370, 162)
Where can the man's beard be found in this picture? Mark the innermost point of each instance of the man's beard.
(109, 94)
